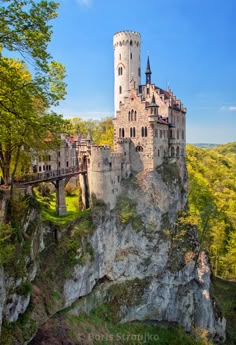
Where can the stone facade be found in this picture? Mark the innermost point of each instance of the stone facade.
(66, 156)
(149, 126)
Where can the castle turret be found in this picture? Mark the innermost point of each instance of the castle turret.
(148, 72)
(126, 64)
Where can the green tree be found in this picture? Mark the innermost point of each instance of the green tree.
(25, 28)
(24, 122)
(102, 131)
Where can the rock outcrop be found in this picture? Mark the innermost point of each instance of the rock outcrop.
(140, 248)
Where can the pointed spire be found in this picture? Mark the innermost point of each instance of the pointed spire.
(148, 72)
(153, 102)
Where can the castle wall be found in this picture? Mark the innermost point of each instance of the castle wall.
(105, 174)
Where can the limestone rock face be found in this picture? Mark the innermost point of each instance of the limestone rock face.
(178, 288)
(142, 254)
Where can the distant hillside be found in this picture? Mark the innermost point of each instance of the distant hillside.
(228, 150)
(205, 145)
(212, 203)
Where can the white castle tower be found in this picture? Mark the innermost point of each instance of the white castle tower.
(126, 63)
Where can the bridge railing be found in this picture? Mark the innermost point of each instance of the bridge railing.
(50, 175)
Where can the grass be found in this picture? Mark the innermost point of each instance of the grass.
(99, 328)
(48, 206)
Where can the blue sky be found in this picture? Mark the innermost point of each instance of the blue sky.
(192, 46)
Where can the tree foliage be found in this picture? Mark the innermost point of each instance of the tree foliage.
(24, 121)
(212, 203)
(102, 131)
(25, 28)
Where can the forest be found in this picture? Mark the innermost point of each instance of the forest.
(212, 203)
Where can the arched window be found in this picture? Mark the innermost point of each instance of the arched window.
(139, 148)
(182, 134)
(131, 56)
(119, 132)
(172, 151)
(123, 133)
(129, 116)
(135, 116)
(132, 115)
(145, 131)
(120, 70)
(177, 152)
(142, 131)
(131, 43)
(139, 72)
(120, 90)
(134, 132)
(131, 132)
(177, 134)
(158, 153)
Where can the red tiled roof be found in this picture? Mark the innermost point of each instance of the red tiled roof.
(162, 122)
(73, 138)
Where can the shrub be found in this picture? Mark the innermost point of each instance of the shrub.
(128, 214)
(44, 190)
(70, 189)
(6, 245)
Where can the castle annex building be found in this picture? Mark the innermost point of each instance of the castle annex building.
(149, 125)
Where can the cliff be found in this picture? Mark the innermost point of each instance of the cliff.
(139, 258)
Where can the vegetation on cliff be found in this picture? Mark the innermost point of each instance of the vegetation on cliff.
(100, 328)
(212, 205)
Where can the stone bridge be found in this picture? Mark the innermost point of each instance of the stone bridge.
(59, 178)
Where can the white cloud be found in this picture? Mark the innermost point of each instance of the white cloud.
(85, 3)
(229, 108)
(95, 115)
(232, 108)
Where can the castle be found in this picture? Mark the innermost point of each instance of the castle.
(149, 126)
(149, 123)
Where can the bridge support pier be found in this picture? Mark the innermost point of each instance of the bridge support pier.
(83, 180)
(60, 198)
